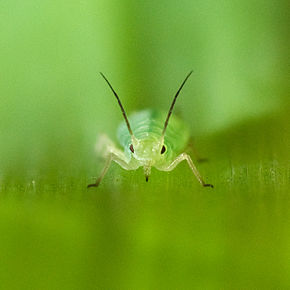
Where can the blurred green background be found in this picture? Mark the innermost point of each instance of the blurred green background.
(169, 233)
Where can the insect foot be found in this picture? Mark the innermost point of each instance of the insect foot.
(96, 184)
(208, 185)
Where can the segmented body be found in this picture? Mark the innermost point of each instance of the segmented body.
(148, 140)
(148, 124)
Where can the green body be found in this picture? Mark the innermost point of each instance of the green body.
(148, 139)
(147, 126)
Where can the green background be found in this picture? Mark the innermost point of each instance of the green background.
(168, 233)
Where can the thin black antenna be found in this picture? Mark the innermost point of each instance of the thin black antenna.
(120, 104)
(173, 103)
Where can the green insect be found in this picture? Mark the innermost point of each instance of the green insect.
(148, 142)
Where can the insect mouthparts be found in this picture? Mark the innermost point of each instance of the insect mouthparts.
(147, 178)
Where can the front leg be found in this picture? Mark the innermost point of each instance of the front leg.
(186, 157)
(108, 150)
(111, 157)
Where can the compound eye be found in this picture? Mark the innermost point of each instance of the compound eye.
(132, 148)
(163, 149)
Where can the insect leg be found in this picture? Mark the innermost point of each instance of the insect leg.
(116, 156)
(105, 169)
(186, 157)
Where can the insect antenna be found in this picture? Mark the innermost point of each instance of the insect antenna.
(121, 106)
(172, 105)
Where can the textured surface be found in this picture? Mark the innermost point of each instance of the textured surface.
(161, 234)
